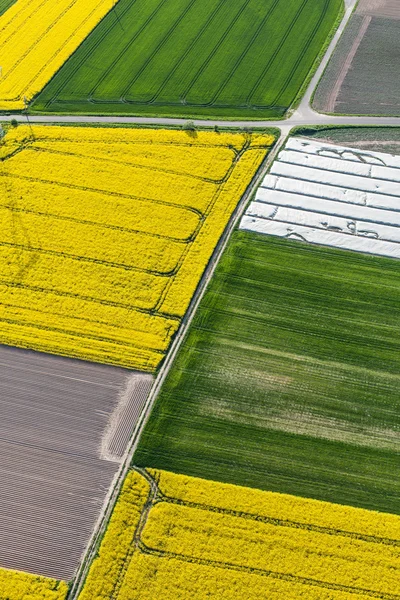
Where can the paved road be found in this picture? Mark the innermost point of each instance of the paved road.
(303, 115)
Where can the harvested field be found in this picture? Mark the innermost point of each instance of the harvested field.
(248, 59)
(333, 195)
(361, 77)
(173, 536)
(105, 233)
(36, 37)
(55, 418)
(288, 380)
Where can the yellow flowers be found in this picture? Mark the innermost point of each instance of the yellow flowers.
(202, 539)
(23, 586)
(36, 38)
(105, 233)
(117, 544)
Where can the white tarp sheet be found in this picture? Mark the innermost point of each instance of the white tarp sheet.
(332, 195)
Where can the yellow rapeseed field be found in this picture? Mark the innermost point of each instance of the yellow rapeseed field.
(15, 585)
(36, 38)
(177, 537)
(105, 233)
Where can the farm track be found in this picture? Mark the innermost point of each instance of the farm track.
(303, 115)
(209, 38)
(163, 372)
(53, 481)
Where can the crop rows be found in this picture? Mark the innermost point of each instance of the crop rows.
(194, 56)
(5, 5)
(60, 420)
(104, 236)
(230, 538)
(259, 394)
(366, 52)
(36, 39)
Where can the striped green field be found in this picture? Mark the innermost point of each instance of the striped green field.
(289, 377)
(247, 58)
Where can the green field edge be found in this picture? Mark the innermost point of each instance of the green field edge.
(339, 114)
(206, 114)
(317, 62)
(144, 454)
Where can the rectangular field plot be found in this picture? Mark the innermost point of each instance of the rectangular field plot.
(362, 77)
(289, 377)
(333, 195)
(173, 536)
(105, 233)
(64, 426)
(36, 37)
(194, 57)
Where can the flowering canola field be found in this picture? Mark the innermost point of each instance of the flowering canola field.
(201, 539)
(15, 585)
(105, 233)
(36, 38)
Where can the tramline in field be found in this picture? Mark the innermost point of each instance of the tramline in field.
(105, 234)
(194, 57)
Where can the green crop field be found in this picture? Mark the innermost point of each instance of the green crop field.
(247, 58)
(289, 377)
(5, 5)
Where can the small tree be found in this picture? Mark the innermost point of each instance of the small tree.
(14, 123)
(189, 126)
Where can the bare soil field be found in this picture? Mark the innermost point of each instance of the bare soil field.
(378, 139)
(362, 76)
(64, 425)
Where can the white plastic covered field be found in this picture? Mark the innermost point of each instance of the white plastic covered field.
(331, 195)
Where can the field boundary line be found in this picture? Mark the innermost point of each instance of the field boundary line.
(155, 495)
(333, 96)
(276, 521)
(301, 57)
(156, 50)
(112, 496)
(267, 573)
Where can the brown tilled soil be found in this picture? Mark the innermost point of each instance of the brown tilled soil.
(333, 95)
(362, 76)
(387, 9)
(53, 481)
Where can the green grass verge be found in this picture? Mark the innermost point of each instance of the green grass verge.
(289, 377)
(194, 58)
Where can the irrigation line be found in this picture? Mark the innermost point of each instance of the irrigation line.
(113, 494)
